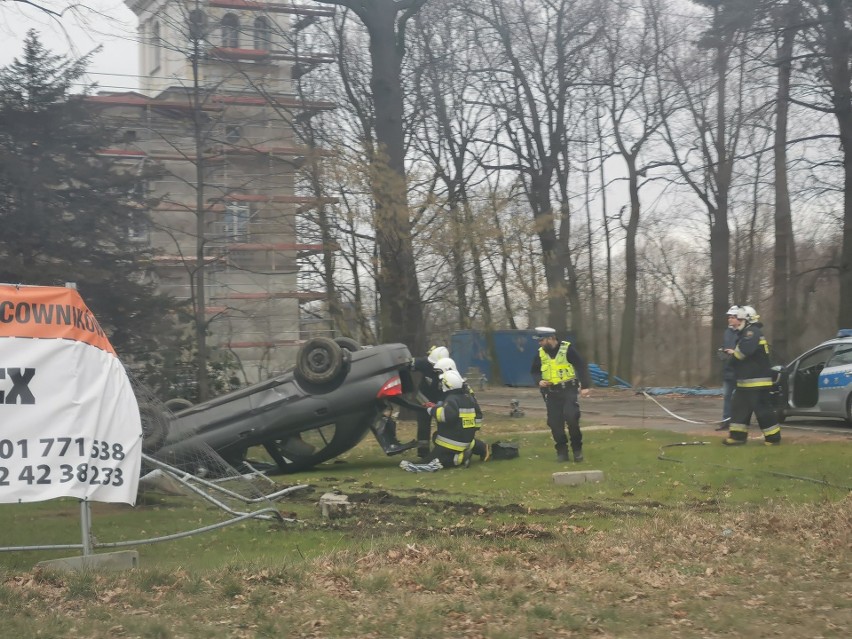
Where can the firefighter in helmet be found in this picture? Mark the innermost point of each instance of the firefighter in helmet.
(750, 361)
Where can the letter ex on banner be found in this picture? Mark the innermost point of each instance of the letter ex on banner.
(69, 422)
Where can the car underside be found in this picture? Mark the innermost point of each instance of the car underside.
(323, 407)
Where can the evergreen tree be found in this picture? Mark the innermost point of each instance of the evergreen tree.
(68, 212)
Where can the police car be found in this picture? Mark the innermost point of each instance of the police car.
(818, 383)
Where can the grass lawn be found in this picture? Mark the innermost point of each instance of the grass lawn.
(693, 540)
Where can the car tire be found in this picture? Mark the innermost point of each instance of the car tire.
(348, 344)
(155, 427)
(320, 361)
(177, 404)
(348, 431)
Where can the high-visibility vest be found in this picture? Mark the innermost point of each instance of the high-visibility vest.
(556, 369)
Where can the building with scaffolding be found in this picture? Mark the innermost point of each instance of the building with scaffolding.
(215, 116)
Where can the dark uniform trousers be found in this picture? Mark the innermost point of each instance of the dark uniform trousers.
(755, 400)
(563, 407)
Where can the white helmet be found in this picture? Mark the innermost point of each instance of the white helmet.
(739, 312)
(445, 364)
(750, 314)
(451, 380)
(436, 353)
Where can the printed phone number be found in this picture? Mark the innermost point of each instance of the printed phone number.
(42, 474)
(45, 474)
(60, 447)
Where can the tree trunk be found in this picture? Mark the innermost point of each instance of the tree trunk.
(628, 316)
(401, 309)
(783, 284)
(838, 41)
(199, 283)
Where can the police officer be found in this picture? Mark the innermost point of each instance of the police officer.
(750, 360)
(561, 375)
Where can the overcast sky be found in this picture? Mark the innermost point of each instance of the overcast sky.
(108, 23)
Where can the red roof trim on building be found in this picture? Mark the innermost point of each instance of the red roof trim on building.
(273, 246)
(271, 7)
(134, 99)
(126, 153)
(300, 295)
(231, 52)
(271, 100)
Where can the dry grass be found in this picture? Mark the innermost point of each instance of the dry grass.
(770, 572)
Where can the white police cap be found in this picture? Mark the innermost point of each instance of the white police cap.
(543, 331)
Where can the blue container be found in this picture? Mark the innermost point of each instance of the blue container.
(515, 353)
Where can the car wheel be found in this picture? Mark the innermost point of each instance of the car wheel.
(177, 403)
(320, 360)
(347, 343)
(304, 450)
(155, 427)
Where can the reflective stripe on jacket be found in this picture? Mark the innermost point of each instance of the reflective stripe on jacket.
(751, 358)
(556, 369)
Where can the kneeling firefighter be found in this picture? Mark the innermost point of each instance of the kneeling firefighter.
(456, 430)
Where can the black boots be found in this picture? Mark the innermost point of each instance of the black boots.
(562, 453)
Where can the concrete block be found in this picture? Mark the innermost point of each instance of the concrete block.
(575, 477)
(103, 562)
(334, 505)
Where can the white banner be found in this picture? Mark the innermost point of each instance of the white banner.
(69, 422)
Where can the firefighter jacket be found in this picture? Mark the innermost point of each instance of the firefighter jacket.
(457, 420)
(560, 365)
(430, 384)
(751, 358)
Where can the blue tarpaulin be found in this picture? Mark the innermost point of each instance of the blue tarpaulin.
(515, 352)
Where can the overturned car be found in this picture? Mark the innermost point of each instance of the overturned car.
(335, 395)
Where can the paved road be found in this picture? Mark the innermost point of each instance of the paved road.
(689, 414)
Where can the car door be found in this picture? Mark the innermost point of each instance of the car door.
(804, 378)
(835, 380)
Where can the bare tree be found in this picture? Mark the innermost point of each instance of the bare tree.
(448, 131)
(829, 37)
(713, 107)
(783, 283)
(538, 51)
(636, 113)
(401, 306)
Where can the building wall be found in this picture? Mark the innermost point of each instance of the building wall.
(248, 153)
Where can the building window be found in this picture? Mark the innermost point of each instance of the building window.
(236, 222)
(197, 25)
(231, 31)
(262, 34)
(233, 133)
(156, 43)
